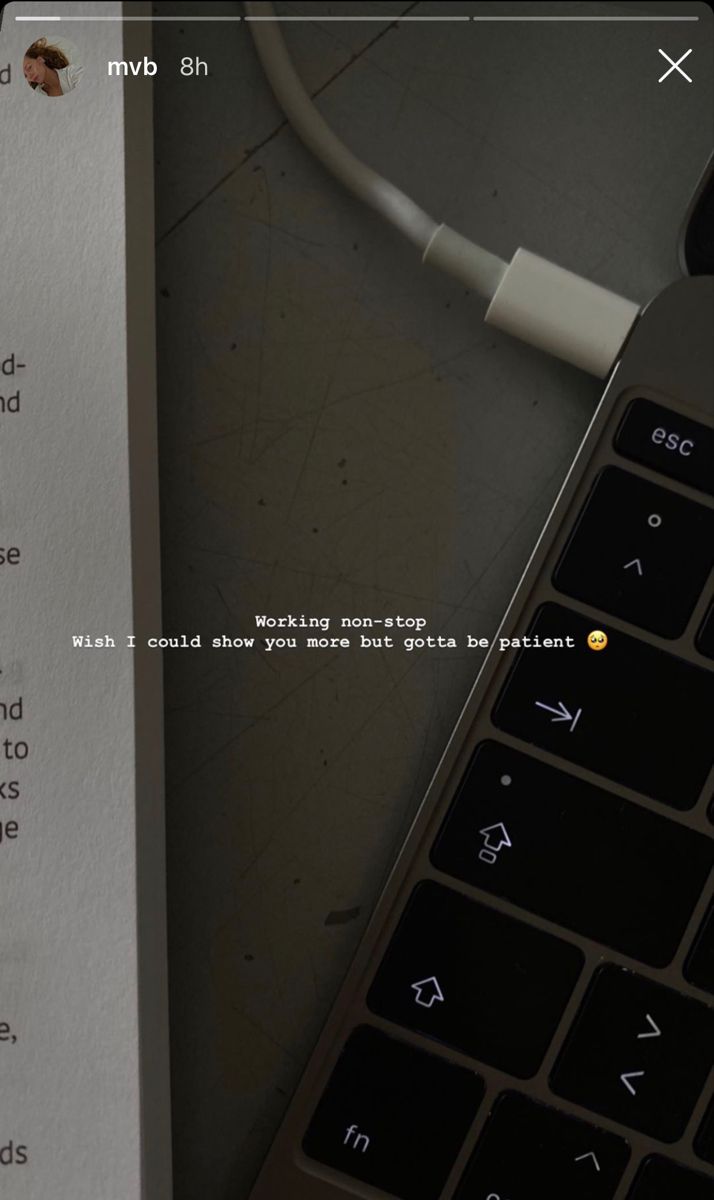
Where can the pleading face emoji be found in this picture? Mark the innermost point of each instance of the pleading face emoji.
(597, 640)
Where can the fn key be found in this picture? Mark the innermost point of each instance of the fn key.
(393, 1116)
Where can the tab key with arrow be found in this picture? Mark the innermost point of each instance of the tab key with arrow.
(561, 713)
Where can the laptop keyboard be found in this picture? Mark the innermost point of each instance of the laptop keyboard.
(511, 993)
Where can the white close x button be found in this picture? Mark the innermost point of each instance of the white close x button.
(675, 66)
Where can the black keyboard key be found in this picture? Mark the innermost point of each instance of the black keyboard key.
(704, 1141)
(639, 551)
(705, 637)
(661, 1179)
(668, 442)
(475, 979)
(393, 1116)
(638, 1052)
(529, 1150)
(574, 853)
(620, 711)
(699, 967)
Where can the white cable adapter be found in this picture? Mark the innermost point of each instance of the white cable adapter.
(530, 298)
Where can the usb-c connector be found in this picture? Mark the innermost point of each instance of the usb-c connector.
(530, 298)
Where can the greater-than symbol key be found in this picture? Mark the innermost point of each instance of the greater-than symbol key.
(651, 1085)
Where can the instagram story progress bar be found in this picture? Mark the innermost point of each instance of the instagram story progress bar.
(377, 18)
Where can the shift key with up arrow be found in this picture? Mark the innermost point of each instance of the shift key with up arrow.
(575, 854)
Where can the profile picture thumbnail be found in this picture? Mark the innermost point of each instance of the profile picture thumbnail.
(52, 68)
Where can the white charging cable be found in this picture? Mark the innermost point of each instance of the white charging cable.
(530, 298)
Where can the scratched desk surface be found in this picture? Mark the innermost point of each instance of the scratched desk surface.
(341, 435)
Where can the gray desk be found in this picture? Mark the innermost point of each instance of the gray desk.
(341, 435)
